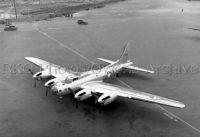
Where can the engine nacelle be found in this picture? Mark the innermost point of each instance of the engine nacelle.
(83, 94)
(41, 75)
(106, 99)
(52, 82)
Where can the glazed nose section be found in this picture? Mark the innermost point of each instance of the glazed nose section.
(54, 89)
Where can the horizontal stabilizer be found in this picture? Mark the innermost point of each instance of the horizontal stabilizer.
(106, 60)
(128, 67)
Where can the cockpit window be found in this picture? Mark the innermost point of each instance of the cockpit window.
(106, 98)
(81, 94)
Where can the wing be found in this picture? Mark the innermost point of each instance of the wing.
(53, 69)
(105, 88)
(128, 67)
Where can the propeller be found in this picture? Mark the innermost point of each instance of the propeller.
(46, 91)
(32, 73)
(47, 88)
(96, 101)
(76, 101)
(96, 97)
(35, 82)
(53, 93)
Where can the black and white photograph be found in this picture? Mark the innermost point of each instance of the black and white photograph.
(99, 68)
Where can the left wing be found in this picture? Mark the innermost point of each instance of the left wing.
(105, 88)
(128, 67)
(52, 69)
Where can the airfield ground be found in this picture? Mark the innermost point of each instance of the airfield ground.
(158, 36)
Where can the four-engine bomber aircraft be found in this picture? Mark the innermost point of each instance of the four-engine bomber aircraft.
(87, 84)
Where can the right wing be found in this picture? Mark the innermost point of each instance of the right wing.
(128, 67)
(52, 69)
(106, 88)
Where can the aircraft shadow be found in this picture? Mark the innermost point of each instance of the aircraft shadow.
(123, 109)
(194, 38)
(137, 76)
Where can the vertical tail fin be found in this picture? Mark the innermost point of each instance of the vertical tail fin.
(124, 56)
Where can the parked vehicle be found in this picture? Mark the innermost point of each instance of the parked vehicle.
(10, 28)
(82, 22)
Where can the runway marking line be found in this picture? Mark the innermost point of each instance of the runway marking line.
(82, 56)
(53, 28)
(63, 45)
(169, 113)
(180, 119)
(171, 117)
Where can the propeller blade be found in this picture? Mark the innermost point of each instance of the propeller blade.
(96, 97)
(53, 93)
(71, 91)
(46, 91)
(96, 101)
(76, 103)
(42, 80)
(34, 82)
(31, 71)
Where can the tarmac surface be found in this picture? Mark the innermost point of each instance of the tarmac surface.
(159, 39)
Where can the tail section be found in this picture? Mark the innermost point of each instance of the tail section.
(125, 60)
(124, 56)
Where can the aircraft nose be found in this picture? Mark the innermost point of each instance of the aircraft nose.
(46, 84)
(76, 96)
(101, 102)
(54, 89)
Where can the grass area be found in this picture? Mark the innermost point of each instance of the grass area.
(43, 10)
